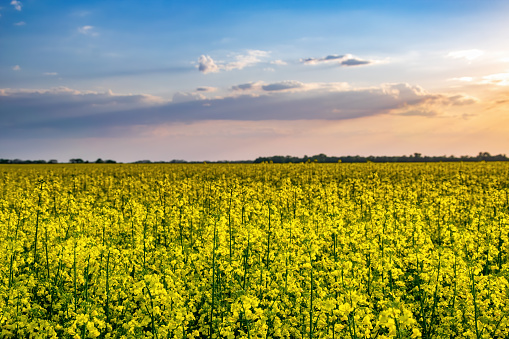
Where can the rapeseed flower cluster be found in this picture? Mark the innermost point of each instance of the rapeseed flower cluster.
(255, 251)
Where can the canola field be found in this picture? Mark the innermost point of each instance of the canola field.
(255, 251)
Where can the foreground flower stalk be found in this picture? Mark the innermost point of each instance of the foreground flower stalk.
(255, 251)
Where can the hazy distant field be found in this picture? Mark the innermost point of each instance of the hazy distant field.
(255, 251)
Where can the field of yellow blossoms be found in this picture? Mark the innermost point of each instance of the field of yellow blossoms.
(255, 251)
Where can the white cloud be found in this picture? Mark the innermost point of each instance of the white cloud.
(279, 62)
(16, 68)
(50, 73)
(251, 58)
(17, 5)
(500, 79)
(469, 54)
(207, 65)
(21, 23)
(88, 30)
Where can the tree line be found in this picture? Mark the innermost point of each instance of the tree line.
(416, 157)
(280, 159)
(54, 161)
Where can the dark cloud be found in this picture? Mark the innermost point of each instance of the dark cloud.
(419, 113)
(184, 96)
(343, 60)
(206, 89)
(284, 85)
(355, 62)
(318, 60)
(243, 87)
(63, 112)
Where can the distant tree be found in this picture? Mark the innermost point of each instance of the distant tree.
(99, 161)
(76, 161)
(53, 161)
(109, 161)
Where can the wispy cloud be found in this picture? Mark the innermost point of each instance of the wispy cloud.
(81, 13)
(279, 62)
(500, 79)
(497, 79)
(88, 30)
(180, 97)
(17, 5)
(206, 89)
(50, 73)
(343, 60)
(21, 23)
(328, 58)
(288, 86)
(469, 54)
(247, 86)
(207, 65)
(462, 79)
(16, 68)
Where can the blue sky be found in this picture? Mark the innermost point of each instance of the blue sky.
(164, 80)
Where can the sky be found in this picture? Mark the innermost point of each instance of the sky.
(235, 80)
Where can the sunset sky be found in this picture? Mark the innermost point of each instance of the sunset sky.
(232, 80)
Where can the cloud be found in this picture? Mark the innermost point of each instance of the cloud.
(500, 79)
(88, 30)
(497, 79)
(17, 5)
(206, 89)
(81, 13)
(279, 62)
(343, 60)
(55, 106)
(16, 68)
(245, 60)
(63, 111)
(462, 79)
(258, 88)
(469, 54)
(355, 62)
(185, 97)
(283, 85)
(207, 65)
(418, 102)
(328, 58)
(50, 73)
(21, 23)
(245, 87)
